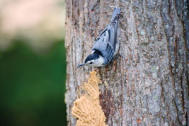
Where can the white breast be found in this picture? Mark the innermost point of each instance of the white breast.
(99, 62)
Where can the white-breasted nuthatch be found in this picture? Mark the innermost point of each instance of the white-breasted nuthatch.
(106, 44)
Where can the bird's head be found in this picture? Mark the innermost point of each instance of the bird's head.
(94, 59)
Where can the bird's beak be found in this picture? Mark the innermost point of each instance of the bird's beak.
(80, 65)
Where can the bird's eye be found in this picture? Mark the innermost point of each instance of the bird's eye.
(91, 63)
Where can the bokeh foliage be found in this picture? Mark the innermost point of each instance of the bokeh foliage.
(32, 85)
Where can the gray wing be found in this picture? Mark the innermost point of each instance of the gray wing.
(106, 42)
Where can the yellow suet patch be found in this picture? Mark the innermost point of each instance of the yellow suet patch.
(87, 108)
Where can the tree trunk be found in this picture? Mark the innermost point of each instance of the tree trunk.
(148, 83)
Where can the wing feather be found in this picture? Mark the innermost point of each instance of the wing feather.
(105, 45)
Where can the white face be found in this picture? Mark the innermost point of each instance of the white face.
(97, 62)
(90, 63)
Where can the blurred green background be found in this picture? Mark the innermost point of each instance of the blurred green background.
(32, 63)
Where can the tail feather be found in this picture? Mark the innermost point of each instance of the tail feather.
(115, 14)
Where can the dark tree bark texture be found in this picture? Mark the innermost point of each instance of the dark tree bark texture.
(148, 83)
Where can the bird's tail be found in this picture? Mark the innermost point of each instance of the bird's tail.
(115, 14)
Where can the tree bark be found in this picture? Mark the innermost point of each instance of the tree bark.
(148, 83)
